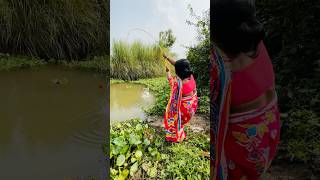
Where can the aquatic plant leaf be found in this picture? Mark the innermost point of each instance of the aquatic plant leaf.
(138, 127)
(138, 154)
(134, 139)
(113, 171)
(146, 142)
(134, 168)
(120, 160)
(133, 159)
(152, 172)
(123, 175)
(119, 141)
(116, 150)
(124, 149)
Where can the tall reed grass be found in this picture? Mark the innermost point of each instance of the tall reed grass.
(58, 29)
(136, 61)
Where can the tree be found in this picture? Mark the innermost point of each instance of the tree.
(166, 39)
(199, 54)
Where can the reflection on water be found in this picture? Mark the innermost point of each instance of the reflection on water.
(52, 124)
(127, 101)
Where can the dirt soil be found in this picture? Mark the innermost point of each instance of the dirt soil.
(280, 170)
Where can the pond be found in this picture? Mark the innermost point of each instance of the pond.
(52, 124)
(127, 101)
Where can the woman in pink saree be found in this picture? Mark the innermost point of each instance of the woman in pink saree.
(245, 121)
(183, 100)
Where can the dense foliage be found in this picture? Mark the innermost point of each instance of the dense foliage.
(59, 29)
(138, 152)
(198, 55)
(293, 43)
(166, 38)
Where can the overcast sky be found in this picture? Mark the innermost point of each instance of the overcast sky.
(154, 16)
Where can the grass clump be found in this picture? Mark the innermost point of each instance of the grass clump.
(136, 61)
(58, 29)
(8, 62)
(138, 151)
(97, 64)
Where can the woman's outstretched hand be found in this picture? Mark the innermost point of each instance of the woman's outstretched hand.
(165, 56)
(169, 59)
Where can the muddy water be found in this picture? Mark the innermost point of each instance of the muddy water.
(127, 101)
(52, 124)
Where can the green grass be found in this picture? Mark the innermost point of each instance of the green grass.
(138, 151)
(136, 61)
(59, 29)
(8, 63)
(97, 64)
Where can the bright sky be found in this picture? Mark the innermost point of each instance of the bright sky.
(154, 16)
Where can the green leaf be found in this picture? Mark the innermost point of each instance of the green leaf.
(134, 139)
(152, 172)
(118, 125)
(138, 154)
(134, 168)
(113, 171)
(133, 159)
(138, 127)
(146, 142)
(119, 141)
(116, 150)
(120, 160)
(123, 174)
(124, 149)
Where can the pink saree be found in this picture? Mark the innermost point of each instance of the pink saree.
(244, 144)
(179, 111)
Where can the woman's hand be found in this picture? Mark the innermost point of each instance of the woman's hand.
(167, 69)
(165, 56)
(172, 61)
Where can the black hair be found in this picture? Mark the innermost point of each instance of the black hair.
(234, 26)
(183, 68)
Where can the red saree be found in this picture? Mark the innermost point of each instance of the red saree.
(243, 144)
(179, 111)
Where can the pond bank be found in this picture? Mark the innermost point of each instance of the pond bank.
(97, 64)
(198, 123)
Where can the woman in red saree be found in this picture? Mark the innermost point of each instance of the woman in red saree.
(183, 100)
(244, 115)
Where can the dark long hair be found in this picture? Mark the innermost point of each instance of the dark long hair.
(183, 68)
(234, 26)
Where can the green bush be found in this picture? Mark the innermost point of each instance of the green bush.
(59, 29)
(199, 57)
(292, 36)
(300, 141)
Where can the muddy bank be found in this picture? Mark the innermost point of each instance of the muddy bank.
(198, 123)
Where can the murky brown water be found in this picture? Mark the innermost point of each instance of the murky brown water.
(127, 101)
(52, 124)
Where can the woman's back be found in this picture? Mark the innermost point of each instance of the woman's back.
(254, 80)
